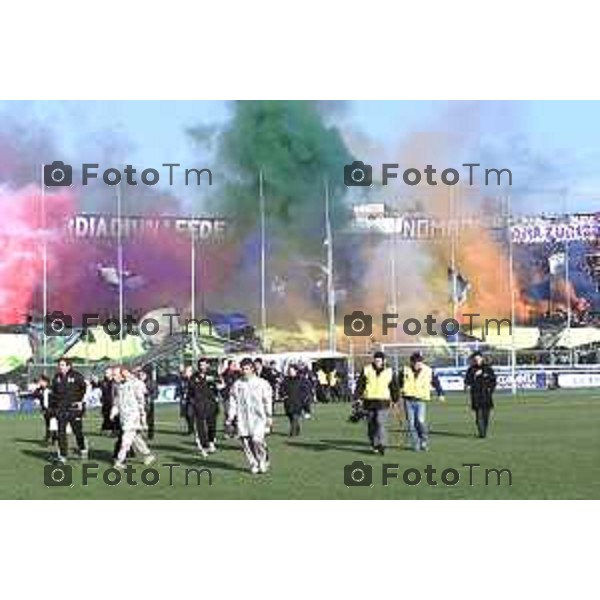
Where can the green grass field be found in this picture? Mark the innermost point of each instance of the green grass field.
(549, 441)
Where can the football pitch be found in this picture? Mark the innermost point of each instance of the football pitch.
(549, 442)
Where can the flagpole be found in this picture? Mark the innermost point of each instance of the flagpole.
(567, 271)
(512, 296)
(193, 287)
(120, 269)
(44, 273)
(330, 287)
(263, 258)
(452, 207)
(394, 283)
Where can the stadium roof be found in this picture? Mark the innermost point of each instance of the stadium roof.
(102, 346)
(578, 336)
(15, 351)
(524, 338)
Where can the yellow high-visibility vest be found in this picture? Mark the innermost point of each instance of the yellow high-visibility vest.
(378, 384)
(333, 378)
(322, 377)
(418, 386)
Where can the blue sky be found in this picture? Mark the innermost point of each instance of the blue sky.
(557, 143)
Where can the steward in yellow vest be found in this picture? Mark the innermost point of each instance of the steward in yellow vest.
(327, 379)
(322, 377)
(327, 388)
(377, 387)
(416, 382)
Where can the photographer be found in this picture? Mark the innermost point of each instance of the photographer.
(377, 387)
(68, 389)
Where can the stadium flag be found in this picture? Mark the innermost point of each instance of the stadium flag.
(459, 287)
(556, 263)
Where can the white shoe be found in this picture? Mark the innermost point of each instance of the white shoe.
(263, 467)
(307, 416)
(254, 469)
(119, 465)
(203, 452)
(84, 454)
(61, 459)
(212, 448)
(150, 459)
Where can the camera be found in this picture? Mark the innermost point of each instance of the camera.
(358, 474)
(358, 412)
(58, 475)
(358, 324)
(357, 173)
(58, 324)
(58, 174)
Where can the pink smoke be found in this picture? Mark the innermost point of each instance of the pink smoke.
(22, 235)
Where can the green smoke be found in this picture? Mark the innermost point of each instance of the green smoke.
(297, 153)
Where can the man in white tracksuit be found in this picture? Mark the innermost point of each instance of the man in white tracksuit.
(129, 406)
(251, 404)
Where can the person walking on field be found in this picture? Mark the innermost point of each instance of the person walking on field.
(68, 389)
(129, 408)
(295, 391)
(480, 379)
(416, 381)
(251, 405)
(377, 389)
(182, 392)
(107, 388)
(43, 396)
(205, 407)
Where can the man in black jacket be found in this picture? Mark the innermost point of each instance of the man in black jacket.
(295, 392)
(481, 380)
(203, 399)
(68, 390)
(183, 393)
